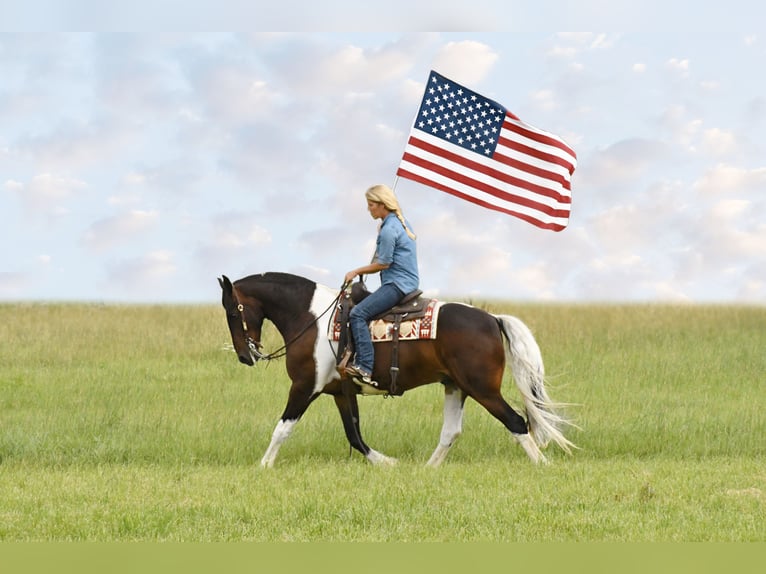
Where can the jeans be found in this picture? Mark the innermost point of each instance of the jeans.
(385, 297)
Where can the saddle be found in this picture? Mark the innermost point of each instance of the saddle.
(411, 306)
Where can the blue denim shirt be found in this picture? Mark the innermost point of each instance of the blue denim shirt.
(395, 248)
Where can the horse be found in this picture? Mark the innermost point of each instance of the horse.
(468, 357)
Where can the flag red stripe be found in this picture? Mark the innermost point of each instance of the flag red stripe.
(425, 181)
(483, 187)
(491, 172)
(536, 153)
(529, 168)
(546, 139)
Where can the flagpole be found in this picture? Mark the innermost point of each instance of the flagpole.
(396, 180)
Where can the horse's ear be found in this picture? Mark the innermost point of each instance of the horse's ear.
(225, 284)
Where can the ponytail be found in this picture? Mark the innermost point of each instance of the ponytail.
(400, 217)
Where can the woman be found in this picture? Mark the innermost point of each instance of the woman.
(396, 260)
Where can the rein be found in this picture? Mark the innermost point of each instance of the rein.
(255, 346)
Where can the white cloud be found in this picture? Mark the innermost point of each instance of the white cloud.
(620, 162)
(620, 277)
(692, 134)
(678, 66)
(687, 134)
(46, 193)
(736, 232)
(629, 228)
(232, 240)
(752, 291)
(489, 265)
(563, 52)
(667, 291)
(69, 144)
(235, 95)
(725, 178)
(124, 199)
(569, 45)
(144, 275)
(601, 41)
(537, 282)
(105, 233)
(11, 185)
(309, 66)
(174, 176)
(134, 178)
(729, 209)
(717, 142)
(352, 66)
(258, 236)
(466, 62)
(12, 284)
(544, 100)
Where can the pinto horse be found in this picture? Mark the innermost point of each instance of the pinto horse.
(468, 357)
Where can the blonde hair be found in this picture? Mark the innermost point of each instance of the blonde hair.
(383, 194)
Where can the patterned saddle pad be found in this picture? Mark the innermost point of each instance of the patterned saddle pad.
(409, 330)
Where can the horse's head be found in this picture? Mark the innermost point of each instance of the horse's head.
(245, 318)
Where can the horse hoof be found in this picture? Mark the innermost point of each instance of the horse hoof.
(379, 459)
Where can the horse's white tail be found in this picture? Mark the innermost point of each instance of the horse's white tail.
(527, 365)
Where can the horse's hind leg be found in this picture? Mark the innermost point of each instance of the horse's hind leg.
(454, 399)
(349, 413)
(514, 422)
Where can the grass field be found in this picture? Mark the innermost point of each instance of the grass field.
(126, 423)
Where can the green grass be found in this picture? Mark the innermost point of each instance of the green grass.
(124, 423)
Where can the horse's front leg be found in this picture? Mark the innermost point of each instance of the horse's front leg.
(454, 401)
(301, 396)
(348, 407)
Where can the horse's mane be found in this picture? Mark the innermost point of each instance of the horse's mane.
(278, 277)
(285, 283)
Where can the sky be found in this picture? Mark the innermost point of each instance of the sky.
(138, 166)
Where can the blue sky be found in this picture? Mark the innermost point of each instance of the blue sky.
(139, 166)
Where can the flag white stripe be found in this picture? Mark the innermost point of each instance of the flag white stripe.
(482, 196)
(551, 149)
(554, 185)
(543, 147)
(478, 193)
(493, 164)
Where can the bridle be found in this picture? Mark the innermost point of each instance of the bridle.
(252, 344)
(256, 346)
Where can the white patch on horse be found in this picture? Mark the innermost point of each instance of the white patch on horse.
(452, 427)
(281, 433)
(324, 350)
(379, 459)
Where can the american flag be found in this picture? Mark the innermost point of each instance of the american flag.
(474, 148)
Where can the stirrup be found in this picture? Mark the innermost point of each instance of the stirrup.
(360, 374)
(365, 383)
